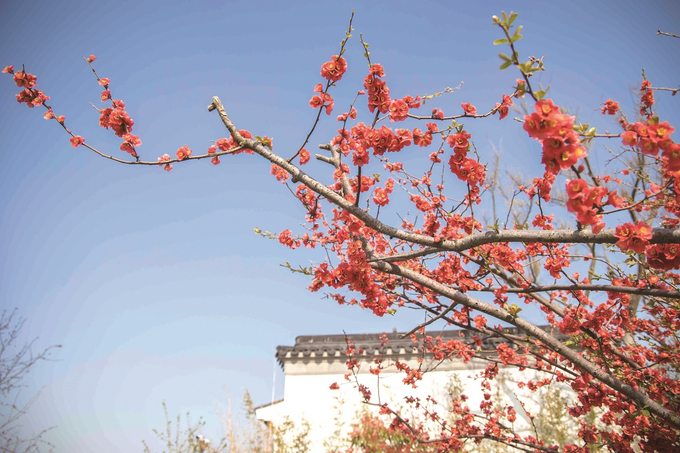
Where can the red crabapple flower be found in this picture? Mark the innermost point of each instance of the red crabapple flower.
(163, 161)
(304, 156)
(610, 107)
(586, 202)
(328, 102)
(561, 145)
(183, 152)
(503, 108)
(378, 93)
(334, 69)
(647, 98)
(117, 119)
(633, 237)
(131, 141)
(8, 70)
(469, 108)
(316, 102)
(398, 110)
(281, 174)
(103, 82)
(438, 113)
(91, 58)
(24, 80)
(77, 141)
(285, 238)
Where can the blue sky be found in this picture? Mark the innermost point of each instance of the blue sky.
(155, 284)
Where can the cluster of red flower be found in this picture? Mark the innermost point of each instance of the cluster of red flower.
(504, 107)
(424, 139)
(30, 95)
(467, 170)
(663, 256)
(334, 69)
(399, 107)
(323, 99)
(380, 195)
(378, 93)
(651, 137)
(561, 145)
(120, 122)
(586, 202)
(633, 237)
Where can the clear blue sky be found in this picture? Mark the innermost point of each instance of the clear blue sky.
(154, 283)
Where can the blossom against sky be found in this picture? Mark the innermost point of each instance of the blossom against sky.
(155, 283)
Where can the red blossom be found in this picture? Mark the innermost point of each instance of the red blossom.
(77, 141)
(24, 80)
(630, 138)
(315, 102)
(610, 107)
(162, 161)
(469, 108)
(398, 110)
(183, 152)
(281, 174)
(633, 237)
(334, 69)
(304, 156)
(437, 113)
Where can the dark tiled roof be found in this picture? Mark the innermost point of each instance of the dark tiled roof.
(336, 345)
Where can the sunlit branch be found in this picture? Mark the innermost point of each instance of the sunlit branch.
(583, 287)
(672, 35)
(550, 341)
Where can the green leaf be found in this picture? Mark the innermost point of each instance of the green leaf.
(512, 18)
(505, 16)
(501, 41)
(506, 65)
(519, 29)
(504, 57)
(516, 37)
